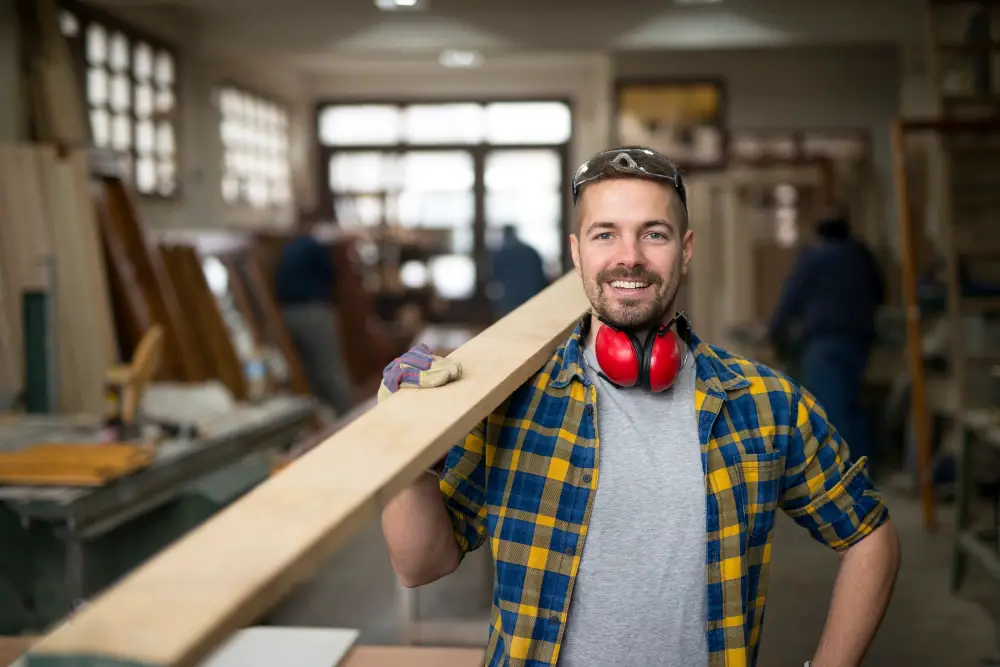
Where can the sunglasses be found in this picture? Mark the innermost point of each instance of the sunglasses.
(626, 158)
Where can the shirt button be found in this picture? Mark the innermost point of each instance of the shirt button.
(586, 479)
(554, 618)
(589, 409)
(569, 551)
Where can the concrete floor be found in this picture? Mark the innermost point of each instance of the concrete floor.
(925, 627)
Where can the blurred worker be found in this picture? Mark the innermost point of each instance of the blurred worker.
(304, 284)
(517, 273)
(831, 297)
(628, 489)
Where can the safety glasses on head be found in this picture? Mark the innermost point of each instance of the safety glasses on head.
(640, 160)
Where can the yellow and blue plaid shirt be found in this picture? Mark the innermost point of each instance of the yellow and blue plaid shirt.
(526, 476)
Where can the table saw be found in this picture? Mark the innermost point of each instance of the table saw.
(62, 545)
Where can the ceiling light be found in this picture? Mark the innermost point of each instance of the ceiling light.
(456, 58)
(394, 5)
(697, 2)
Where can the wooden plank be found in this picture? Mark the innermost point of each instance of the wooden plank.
(188, 599)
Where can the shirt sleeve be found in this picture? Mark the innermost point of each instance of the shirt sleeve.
(822, 491)
(463, 487)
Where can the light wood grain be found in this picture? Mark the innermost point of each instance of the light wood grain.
(189, 598)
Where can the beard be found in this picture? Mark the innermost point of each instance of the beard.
(643, 312)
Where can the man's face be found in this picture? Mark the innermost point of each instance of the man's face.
(631, 251)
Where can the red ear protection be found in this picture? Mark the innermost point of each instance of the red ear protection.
(626, 362)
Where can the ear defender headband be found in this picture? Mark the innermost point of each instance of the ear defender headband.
(625, 361)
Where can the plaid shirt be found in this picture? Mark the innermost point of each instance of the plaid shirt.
(526, 476)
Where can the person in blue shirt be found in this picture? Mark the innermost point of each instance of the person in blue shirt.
(304, 286)
(831, 297)
(517, 273)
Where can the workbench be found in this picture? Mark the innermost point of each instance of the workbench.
(979, 428)
(71, 542)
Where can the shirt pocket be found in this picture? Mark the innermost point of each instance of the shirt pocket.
(760, 483)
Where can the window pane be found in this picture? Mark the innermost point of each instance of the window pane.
(453, 276)
(145, 174)
(165, 101)
(358, 211)
(359, 125)
(68, 24)
(363, 172)
(143, 100)
(518, 170)
(100, 123)
(97, 44)
(142, 64)
(164, 68)
(97, 86)
(165, 139)
(528, 123)
(437, 170)
(537, 214)
(443, 123)
(144, 139)
(121, 132)
(120, 89)
(436, 209)
(118, 60)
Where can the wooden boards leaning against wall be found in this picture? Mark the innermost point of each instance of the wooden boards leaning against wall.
(188, 599)
(50, 242)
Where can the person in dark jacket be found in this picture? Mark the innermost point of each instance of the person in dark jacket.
(517, 274)
(304, 284)
(831, 297)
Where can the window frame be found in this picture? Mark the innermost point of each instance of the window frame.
(283, 106)
(86, 14)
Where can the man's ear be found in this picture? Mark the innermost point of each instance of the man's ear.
(687, 250)
(574, 248)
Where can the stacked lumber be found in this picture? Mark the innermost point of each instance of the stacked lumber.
(72, 464)
(49, 242)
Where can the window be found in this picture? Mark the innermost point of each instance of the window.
(255, 145)
(434, 165)
(130, 83)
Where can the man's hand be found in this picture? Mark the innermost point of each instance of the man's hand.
(419, 367)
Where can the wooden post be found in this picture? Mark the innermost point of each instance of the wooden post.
(908, 260)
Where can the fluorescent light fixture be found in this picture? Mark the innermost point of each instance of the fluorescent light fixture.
(395, 5)
(697, 2)
(457, 58)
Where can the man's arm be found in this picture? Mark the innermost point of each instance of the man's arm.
(793, 296)
(837, 502)
(434, 522)
(860, 596)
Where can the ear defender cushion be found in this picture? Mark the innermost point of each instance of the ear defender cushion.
(663, 361)
(617, 356)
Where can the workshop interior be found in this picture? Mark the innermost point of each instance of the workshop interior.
(178, 176)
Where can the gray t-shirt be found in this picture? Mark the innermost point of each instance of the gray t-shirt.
(639, 597)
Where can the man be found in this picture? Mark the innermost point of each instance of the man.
(633, 527)
(304, 284)
(833, 294)
(517, 273)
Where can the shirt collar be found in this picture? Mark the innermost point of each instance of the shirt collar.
(711, 369)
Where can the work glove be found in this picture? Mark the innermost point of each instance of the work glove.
(418, 368)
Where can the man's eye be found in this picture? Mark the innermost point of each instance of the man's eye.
(604, 236)
(657, 236)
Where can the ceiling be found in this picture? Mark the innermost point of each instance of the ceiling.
(313, 34)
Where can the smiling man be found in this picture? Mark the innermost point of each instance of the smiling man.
(629, 489)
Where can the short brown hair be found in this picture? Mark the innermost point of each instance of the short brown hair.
(637, 162)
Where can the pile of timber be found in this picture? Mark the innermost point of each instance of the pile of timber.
(50, 243)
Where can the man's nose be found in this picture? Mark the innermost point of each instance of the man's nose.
(630, 254)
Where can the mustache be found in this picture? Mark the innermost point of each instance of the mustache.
(633, 275)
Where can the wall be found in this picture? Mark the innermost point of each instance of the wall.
(199, 144)
(820, 88)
